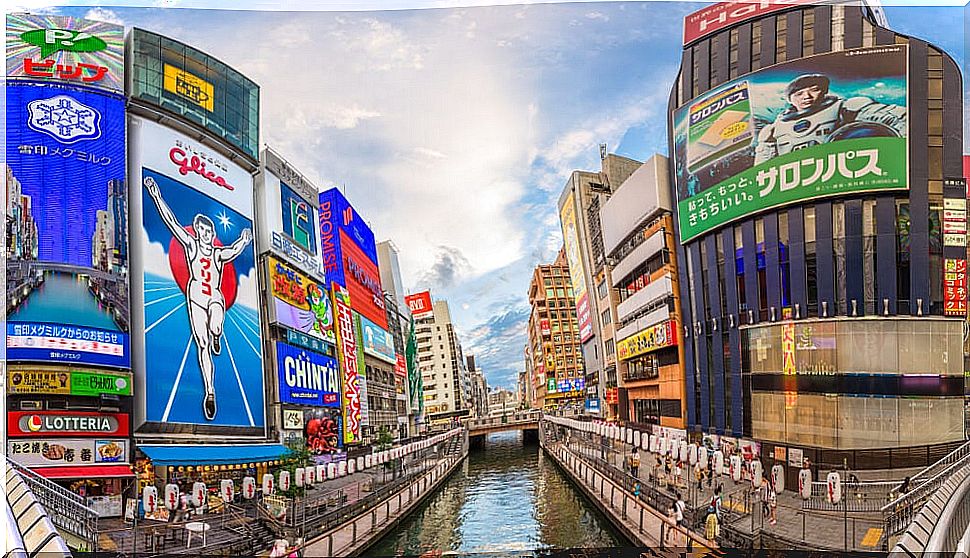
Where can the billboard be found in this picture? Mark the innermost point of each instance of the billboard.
(289, 216)
(322, 429)
(825, 125)
(711, 19)
(347, 348)
(66, 423)
(350, 255)
(649, 340)
(50, 453)
(66, 50)
(420, 305)
(955, 287)
(196, 87)
(377, 342)
(306, 378)
(298, 302)
(194, 280)
(67, 382)
(66, 226)
(577, 273)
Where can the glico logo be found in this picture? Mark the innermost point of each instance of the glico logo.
(197, 165)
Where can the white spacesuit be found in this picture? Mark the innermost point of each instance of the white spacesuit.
(814, 117)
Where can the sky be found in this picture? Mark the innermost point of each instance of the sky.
(453, 131)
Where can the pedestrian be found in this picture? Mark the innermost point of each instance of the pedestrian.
(636, 490)
(679, 474)
(681, 511)
(904, 488)
(772, 504)
(715, 505)
(763, 496)
(699, 475)
(635, 463)
(672, 516)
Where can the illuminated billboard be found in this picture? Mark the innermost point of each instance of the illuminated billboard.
(298, 302)
(567, 217)
(825, 125)
(66, 50)
(194, 281)
(713, 18)
(420, 305)
(197, 87)
(377, 342)
(289, 215)
(649, 340)
(307, 378)
(350, 403)
(350, 255)
(67, 235)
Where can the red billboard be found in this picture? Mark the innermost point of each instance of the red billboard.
(66, 423)
(719, 16)
(955, 287)
(544, 327)
(420, 305)
(364, 282)
(400, 367)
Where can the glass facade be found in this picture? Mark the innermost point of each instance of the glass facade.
(195, 86)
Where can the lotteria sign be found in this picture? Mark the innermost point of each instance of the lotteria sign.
(307, 378)
(52, 423)
(722, 15)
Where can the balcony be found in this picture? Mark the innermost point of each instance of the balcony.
(659, 288)
(643, 322)
(639, 255)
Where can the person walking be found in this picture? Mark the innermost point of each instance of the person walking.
(772, 504)
(635, 463)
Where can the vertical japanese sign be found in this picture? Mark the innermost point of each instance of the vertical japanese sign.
(350, 402)
(577, 273)
(66, 50)
(955, 287)
(361, 370)
(788, 363)
(954, 222)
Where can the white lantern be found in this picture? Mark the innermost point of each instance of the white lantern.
(342, 468)
(757, 472)
(703, 457)
(284, 480)
(645, 442)
(269, 484)
(629, 436)
(805, 483)
(300, 473)
(692, 454)
(351, 466)
(368, 461)
(149, 499)
(171, 496)
(311, 475)
(834, 487)
(360, 464)
(736, 468)
(331, 470)
(198, 494)
(684, 449)
(662, 446)
(249, 488)
(778, 477)
(718, 462)
(636, 438)
(653, 445)
(226, 490)
(321, 473)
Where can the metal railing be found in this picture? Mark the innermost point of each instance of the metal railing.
(900, 513)
(857, 496)
(929, 472)
(506, 420)
(942, 526)
(67, 511)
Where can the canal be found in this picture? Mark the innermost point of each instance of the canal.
(506, 498)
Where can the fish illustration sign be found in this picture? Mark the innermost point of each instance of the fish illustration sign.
(197, 282)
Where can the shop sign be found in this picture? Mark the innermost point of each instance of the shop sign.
(67, 382)
(551, 386)
(955, 287)
(653, 338)
(722, 15)
(954, 222)
(298, 255)
(84, 382)
(58, 423)
(780, 454)
(400, 367)
(544, 327)
(188, 86)
(796, 457)
(612, 396)
(593, 405)
(299, 302)
(292, 420)
(47, 453)
(306, 378)
(307, 342)
(574, 384)
(420, 305)
(347, 344)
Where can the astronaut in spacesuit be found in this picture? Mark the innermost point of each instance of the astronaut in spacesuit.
(814, 117)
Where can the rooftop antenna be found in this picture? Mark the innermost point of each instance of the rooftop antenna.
(602, 152)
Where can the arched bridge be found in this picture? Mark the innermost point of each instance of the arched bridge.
(526, 421)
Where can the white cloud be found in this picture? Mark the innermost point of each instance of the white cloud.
(102, 14)
(247, 293)
(154, 256)
(598, 15)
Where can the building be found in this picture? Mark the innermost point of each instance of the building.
(441, 366)
(398, 324)
(522, 390)
(501, 402)
(823, 248)
(557, 357)
(579, 206)
(479, 389)
(638, 236)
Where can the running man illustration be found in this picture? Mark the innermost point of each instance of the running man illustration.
(203, 295)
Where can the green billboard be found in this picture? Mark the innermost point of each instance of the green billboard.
(84, 382)
(826, 125)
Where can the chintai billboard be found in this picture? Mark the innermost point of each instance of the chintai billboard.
(194, 278)
(66, 225)
(825, 125)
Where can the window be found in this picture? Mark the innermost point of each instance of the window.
(602, 290)
(808, 32)
(870, 277)
(811, 271)
(784, 246)
(605, 317)
(781, 38)
(902, 257)
(739, 272)
(838, 28)
(755, 46)
(760, 259)
(838, 254)
(733, 55)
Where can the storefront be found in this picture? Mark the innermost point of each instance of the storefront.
(185, 465)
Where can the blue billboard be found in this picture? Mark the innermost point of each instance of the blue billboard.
(337, 215)
(307, 378)
(298, 219)
(66, 226)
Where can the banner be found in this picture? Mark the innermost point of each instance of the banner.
(73, 382)
(322, 430)
(66, 423)
(66, 50)
(420, 305)
(49, 453)
(653, 338)
(347, 348)
(415, 377)
(299, 303)
(196, 283)
(824, 125)
(66, 226)
(711, 19)
(306, 378)
(377, 341)
(955, 287)
(577, 273)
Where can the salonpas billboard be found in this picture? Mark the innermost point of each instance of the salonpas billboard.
(824, 125)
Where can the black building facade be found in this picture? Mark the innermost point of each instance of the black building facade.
(821, 323)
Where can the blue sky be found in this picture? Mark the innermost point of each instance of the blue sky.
(453, 131)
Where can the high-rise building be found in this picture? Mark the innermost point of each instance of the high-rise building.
(398, 324)
(557, 357)
(579, 208)
(479, 389)
(118, 206)
(821, 210)
(638, 236)
(442, 368)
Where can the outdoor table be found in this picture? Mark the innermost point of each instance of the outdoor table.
(195, 527)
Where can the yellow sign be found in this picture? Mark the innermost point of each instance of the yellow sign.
(24, 381)
(653, 338)
(189, 86)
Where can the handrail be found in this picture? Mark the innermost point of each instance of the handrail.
(899, 513)
(931, 470)
(941, 527)
(68, 510)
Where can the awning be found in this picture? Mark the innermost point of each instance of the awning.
(213, 455)
(84, 472)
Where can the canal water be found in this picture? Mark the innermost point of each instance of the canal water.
(64, 298)
(507, 499)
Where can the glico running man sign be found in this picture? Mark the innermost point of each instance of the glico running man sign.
(824, 125)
